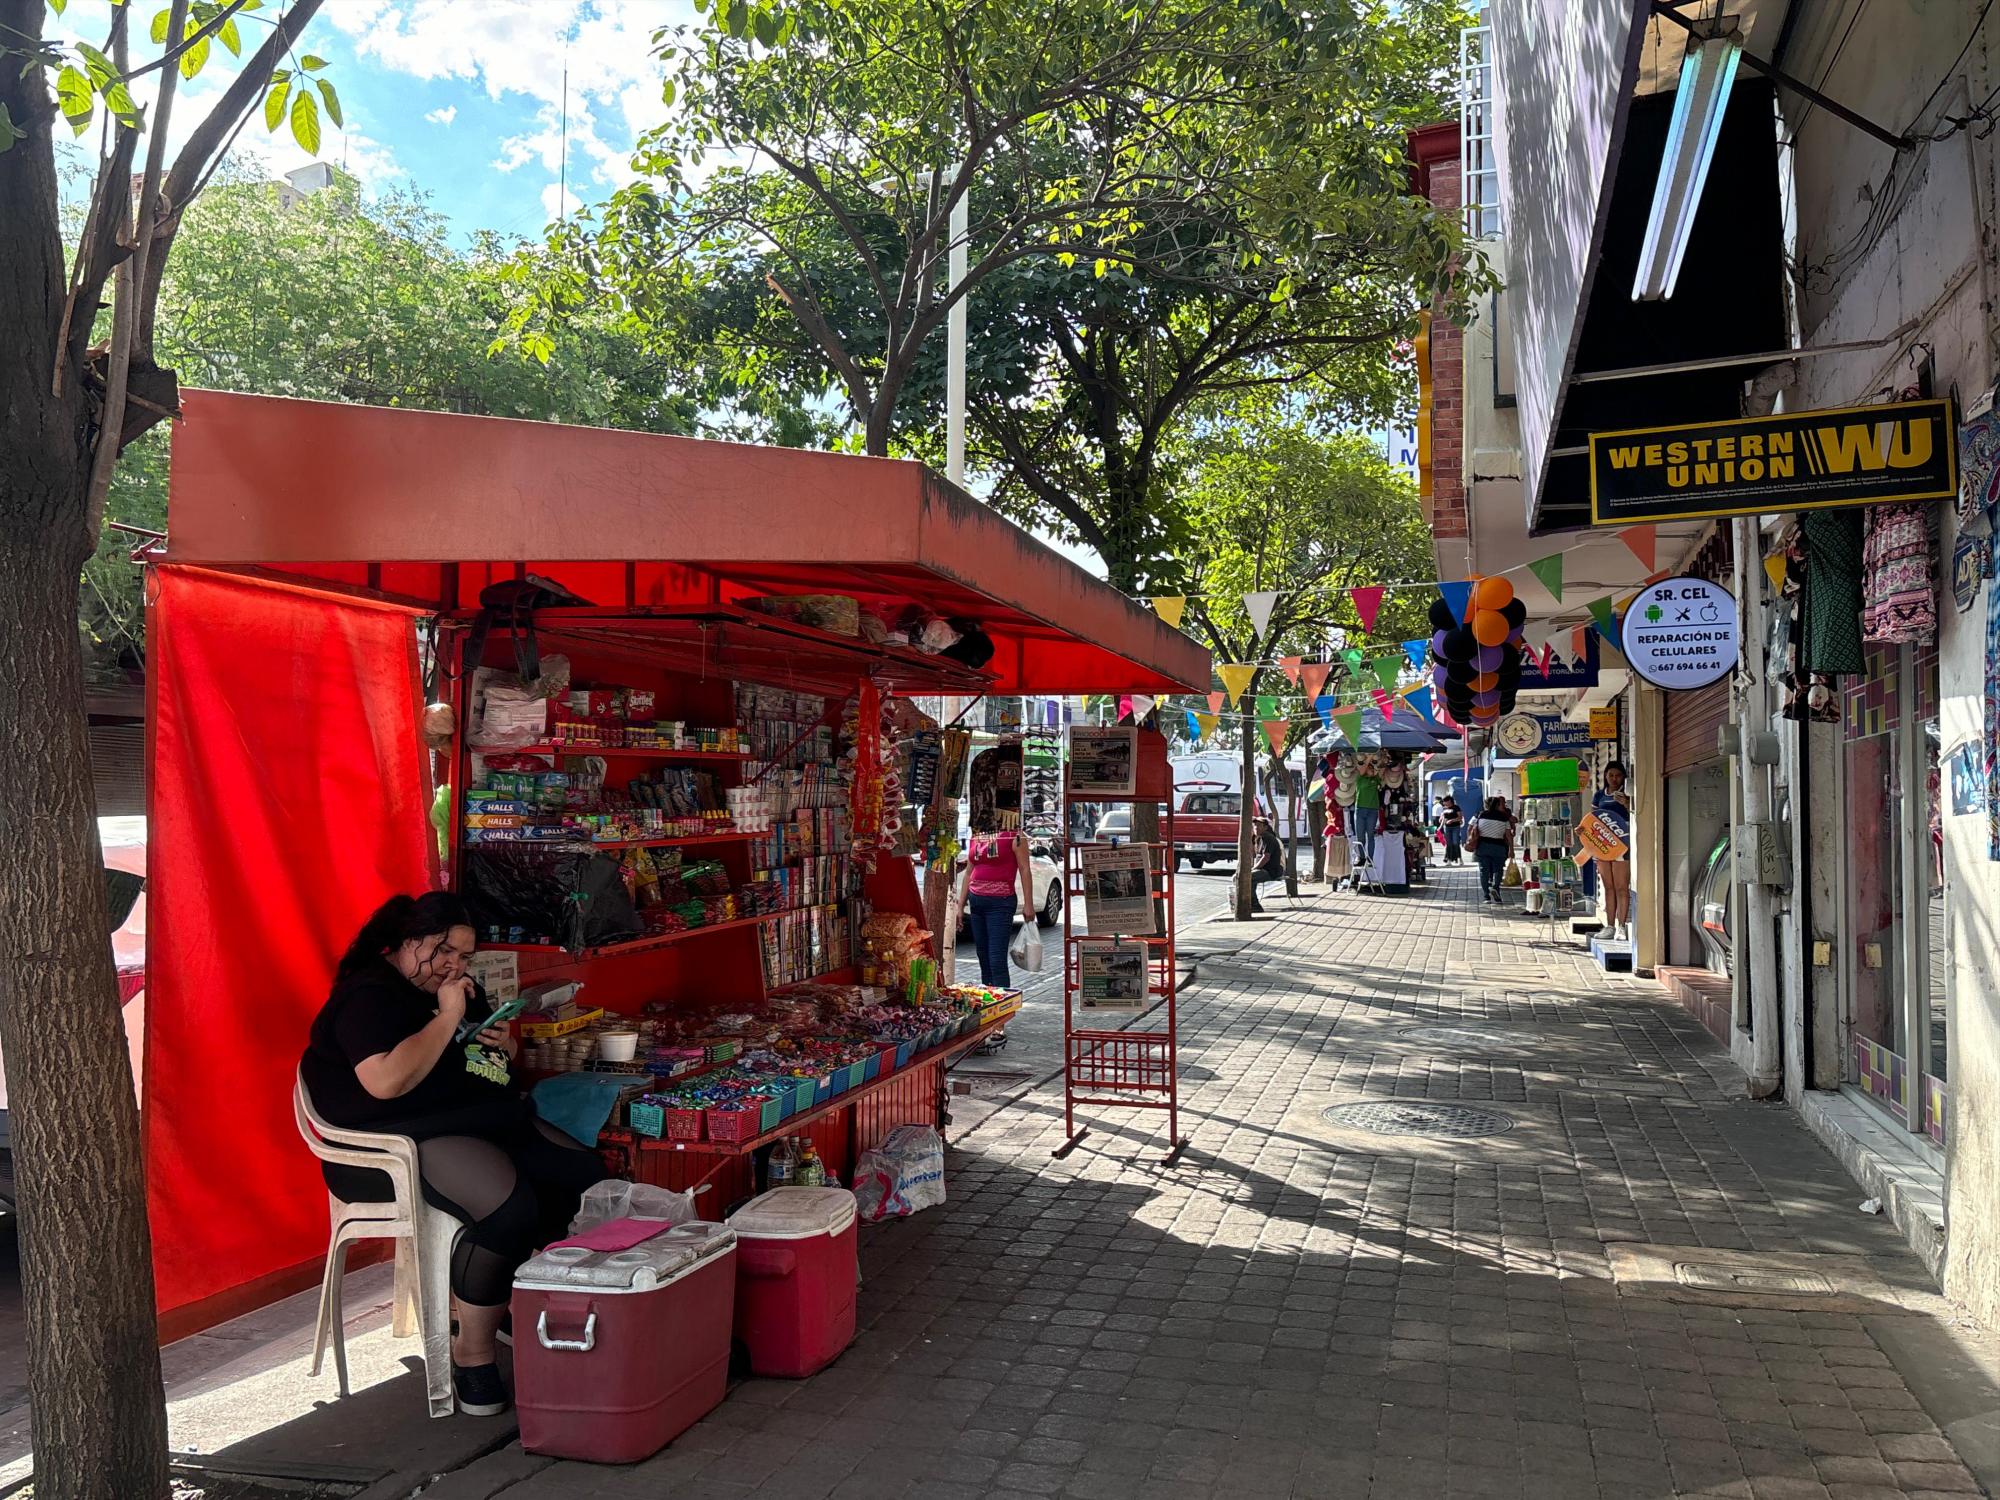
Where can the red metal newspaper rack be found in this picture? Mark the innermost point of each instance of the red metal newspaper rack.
(1105, 1065)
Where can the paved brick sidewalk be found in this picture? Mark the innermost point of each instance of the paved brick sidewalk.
(1307, 1310)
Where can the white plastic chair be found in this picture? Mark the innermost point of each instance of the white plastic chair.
(421, 1302)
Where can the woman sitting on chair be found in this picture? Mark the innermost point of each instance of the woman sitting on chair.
(398, 1048)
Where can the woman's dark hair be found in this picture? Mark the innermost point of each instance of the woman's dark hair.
(1614, 765)
(400, 919)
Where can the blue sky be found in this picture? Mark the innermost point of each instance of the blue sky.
(463, 98)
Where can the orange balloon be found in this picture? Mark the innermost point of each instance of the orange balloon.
(1485, 682)
(1493, 593)
(1490, 627)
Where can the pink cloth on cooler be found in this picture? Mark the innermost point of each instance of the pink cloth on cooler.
(619, 1234)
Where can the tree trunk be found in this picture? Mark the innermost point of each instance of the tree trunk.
(1246, 842)
(1291, 835)
(1316, 830)
(98, 1416)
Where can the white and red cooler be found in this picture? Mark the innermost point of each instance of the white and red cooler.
(619, 1351)
(796, 1270)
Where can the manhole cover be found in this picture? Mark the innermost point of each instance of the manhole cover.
(1417, 1117)
(1722, 1278)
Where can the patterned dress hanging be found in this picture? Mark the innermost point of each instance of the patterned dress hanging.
(1898, 583)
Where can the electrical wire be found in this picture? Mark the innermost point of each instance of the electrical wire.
(1832, 63)
(1930, 98)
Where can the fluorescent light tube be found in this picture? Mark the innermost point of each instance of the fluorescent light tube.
(1699, 105)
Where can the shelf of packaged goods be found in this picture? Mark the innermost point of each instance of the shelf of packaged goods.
(638, 752)
(732, 836)
(796, 1124)
(639, 945)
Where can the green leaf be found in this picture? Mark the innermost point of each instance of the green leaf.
(311, 63)
(230, 37)
(118, 99)
(736, 17)
(9, 131)
(274, 102)
(160, 26)
(58, 6)
(75, 98)
(305, 122)
(99, 65)
(193, 58)
(766, 28)
(332, 102)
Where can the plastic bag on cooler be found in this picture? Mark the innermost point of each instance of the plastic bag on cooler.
(606, 1202)
(902, 1175)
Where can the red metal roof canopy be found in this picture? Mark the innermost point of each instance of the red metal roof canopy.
(430, 507)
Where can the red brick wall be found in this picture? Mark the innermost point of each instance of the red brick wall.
(1445, 507)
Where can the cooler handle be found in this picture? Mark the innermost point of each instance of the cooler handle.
(764, 1260)
(581, 1346)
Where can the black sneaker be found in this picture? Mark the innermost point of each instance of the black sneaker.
(480, 1390)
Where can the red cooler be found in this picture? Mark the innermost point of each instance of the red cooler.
(618, 1352)
(795, 1278)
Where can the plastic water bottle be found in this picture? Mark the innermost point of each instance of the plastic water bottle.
(782, 1168)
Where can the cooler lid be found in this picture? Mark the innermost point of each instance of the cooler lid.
(647, 1265)
(795, 1213)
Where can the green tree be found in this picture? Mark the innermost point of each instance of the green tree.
(1278, 504)
(69, 403)
(340, 298)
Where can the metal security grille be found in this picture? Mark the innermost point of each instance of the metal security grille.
(1418, 1117)
(1479, 166)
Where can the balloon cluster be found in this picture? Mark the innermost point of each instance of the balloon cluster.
(1476, 664)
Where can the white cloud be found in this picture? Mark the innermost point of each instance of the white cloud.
(443, 116)
(558, 204)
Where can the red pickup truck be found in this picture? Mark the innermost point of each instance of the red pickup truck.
(1206, 824)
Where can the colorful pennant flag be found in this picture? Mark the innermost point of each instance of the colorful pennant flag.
(1276, 731)
(1194, 725)
(1774, 569)
(1258, 607)
(1544, 657)
(1384, 702)
(1207, 723)
(1312, 677)
(1170, 607)
(1142, 704)
(1456, 596)
(1548, 572)
(1387, 669)
(1323, 706)
(1645, 544)
(1235, 679)
(1267, 706)
(1215, 702)
(1415, 651)
(1352, 656)
(1124, 707)
(1291, 665)
(1367, 604)
(1348, 722)
(1577, 650)
(1607, 620)
(1420, 700)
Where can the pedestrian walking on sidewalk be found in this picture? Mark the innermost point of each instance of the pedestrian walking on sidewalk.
(1451, 823)
(1492, 835)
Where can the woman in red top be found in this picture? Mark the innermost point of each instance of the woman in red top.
(996, 867)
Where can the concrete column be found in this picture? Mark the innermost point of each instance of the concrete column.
(1649, 821)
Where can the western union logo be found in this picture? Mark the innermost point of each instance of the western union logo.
(1799, 461)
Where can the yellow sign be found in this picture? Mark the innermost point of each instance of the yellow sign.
(1604, 723)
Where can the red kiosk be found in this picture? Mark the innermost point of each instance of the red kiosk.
(323, 566)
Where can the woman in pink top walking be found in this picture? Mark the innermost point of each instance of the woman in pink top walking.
(997, 884)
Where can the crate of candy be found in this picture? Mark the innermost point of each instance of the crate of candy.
(989, 1004)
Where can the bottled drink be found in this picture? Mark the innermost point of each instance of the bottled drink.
(811, 1170)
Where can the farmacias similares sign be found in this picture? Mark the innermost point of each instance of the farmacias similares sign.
(1811, 460)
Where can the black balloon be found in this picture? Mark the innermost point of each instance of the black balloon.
(1515, 613)
(1441, 616)
(1459, 645)
(1458, 672)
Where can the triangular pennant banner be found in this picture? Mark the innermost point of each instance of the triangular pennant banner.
(1267, 706)
(1576, 646)
(1291, 666)
(1645, 544)
(1544, 657)
(1348, 722)
(1456, 597)
(1170, 607)
(1142, 704)
(1774, 569)
(1352, 656)
(1415, 651)
(1323, 706)
(1124, 707)
(1207, 722)
(1384, 702)
(1607, 620)
(1387, 669)
(1312, 677)
(1420, 700)
(1548, 572)
(1258, 607)
(1194, 725)
(1277, 731)
(1235, 679)
(1367, 605)
(1215, 702)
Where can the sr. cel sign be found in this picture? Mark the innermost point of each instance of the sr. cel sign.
(1682, 633)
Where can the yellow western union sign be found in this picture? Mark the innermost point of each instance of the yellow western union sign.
(1808, 460)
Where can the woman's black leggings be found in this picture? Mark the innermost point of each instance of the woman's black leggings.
(514, 1192)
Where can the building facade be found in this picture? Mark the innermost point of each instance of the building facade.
(1816, 856)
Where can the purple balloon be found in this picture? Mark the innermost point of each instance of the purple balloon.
(1488, 699)
(1518, 640)
(1437, 645)
(1488, 658)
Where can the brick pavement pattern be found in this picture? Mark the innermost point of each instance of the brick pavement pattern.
(1296, 1310)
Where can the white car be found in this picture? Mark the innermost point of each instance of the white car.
(1116, 824)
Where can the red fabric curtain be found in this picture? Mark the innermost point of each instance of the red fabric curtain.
(290, 797)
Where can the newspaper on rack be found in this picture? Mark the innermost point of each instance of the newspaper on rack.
(1118, 890)
(1111, 975)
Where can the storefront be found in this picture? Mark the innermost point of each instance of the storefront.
(700, 824)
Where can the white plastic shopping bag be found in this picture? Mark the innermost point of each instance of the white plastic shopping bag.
(1026, 950)
(902, 1175)
(615, 1199)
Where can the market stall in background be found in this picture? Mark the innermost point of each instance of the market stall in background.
(643, 701)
